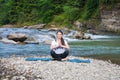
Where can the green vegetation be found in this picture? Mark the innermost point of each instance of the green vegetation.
(62, 12)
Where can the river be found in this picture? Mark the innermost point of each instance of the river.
(105, 47)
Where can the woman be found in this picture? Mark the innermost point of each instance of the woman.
(59, 47)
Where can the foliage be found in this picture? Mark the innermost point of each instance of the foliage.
(64, 12)
(91, 8)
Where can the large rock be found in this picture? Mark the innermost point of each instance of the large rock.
(86, 37)
(78, 35)
(4, 40)
(110, 20)
(92, 31)
(17, 37)
(38, 26)
(47, 42)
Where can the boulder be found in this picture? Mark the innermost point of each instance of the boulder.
(110, 20)
(4, 40)
(17, 37)
(38, 26)
(92, 31)
(31, 40)
(86, 37)
(78, 35)
(47, 42)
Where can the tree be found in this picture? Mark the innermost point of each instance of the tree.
(90, 9)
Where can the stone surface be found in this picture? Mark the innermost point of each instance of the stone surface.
(4, 40)
(17, 37)
(38, 26)
(110, 20)
(53, 29)
(19, 69)
(79, 35)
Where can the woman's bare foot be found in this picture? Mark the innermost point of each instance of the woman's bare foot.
(64, 59)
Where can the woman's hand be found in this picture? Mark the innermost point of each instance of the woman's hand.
(52, 47)
(64, 46)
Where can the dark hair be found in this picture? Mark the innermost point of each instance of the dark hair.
(62, 40)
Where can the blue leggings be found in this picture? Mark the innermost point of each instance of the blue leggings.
(59, 56)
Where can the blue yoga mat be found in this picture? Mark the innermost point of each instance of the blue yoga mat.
(40, 59)
(79, 60)
(50, 59)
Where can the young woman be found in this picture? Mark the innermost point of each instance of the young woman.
(59, 47)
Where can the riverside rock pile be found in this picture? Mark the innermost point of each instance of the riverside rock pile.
(16, 68)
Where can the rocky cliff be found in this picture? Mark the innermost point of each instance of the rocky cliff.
(110, 19)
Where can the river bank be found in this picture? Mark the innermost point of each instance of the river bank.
(14, 68)
(99, 45)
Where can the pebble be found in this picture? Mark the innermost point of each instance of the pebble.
(16, 68)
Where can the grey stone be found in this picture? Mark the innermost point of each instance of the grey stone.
(17, 37)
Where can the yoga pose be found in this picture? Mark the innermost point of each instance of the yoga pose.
(59, 47)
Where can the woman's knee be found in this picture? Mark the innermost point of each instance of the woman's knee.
(52, 52)
(65, 54)
(66, 51)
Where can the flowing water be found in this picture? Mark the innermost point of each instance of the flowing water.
(105, 47)
(101, 49)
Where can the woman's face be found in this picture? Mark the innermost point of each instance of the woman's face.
(59, 35)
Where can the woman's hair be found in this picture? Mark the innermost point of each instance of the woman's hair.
(62, 40)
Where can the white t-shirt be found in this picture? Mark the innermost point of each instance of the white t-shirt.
(59, 50)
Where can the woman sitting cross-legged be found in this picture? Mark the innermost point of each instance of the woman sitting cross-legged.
(59, 47)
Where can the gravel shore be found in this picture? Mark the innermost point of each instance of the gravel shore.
(16, 68)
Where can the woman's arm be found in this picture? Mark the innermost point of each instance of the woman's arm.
(64, 46)
(52, 47)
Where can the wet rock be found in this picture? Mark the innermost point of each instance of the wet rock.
(78, 35)
(47, 42)
(4, 40)
(38, 26)
(86, 37)
(31, 40)
(18, 37)
(92, 31)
